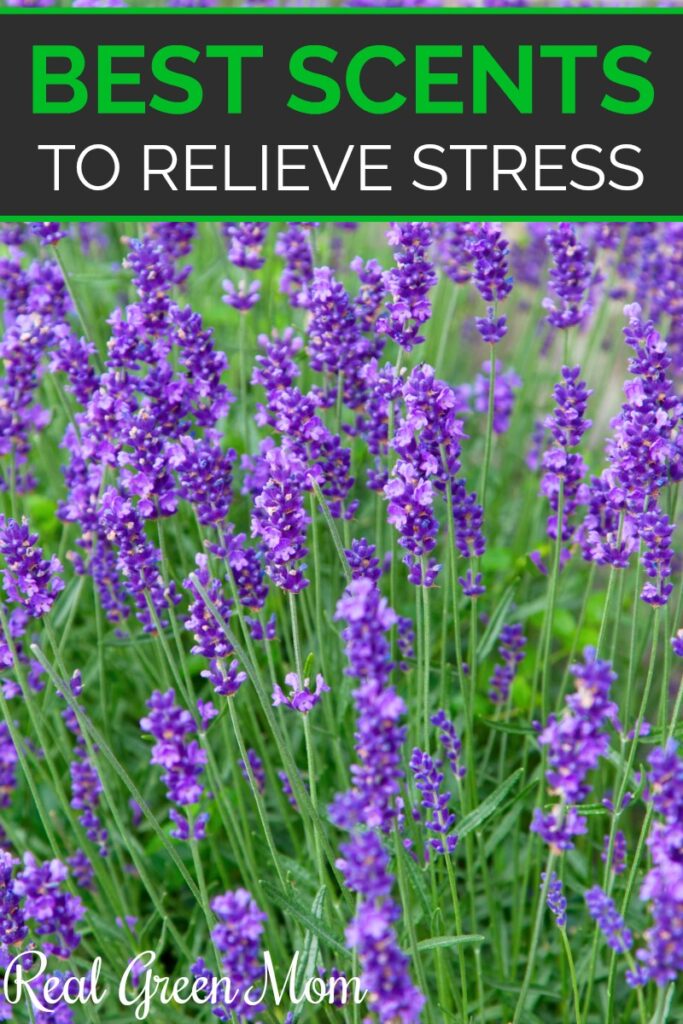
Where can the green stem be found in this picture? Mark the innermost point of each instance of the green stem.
(533, 948)
(572, 975)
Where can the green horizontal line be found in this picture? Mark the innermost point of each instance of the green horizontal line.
(364, 12)
(362, 218)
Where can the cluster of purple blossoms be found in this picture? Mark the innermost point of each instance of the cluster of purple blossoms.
(86, 786)
(245, 243)
(336, 345)
(371, 293)
(408, 284)
(153, 278)
(210, 639)
(428, 779)
(279, 519)
(451, 250)
(13, 928)
(22, 348)
(377, 774)
(175, 238)
(661, 959)
(362, 560)
(8, 766)
(137, 559)
(237, 937)
(489, 251)
(294, 246)
(294, 415)
(511, 644)
(410, 511)
(302, 696)
(564, 468)
(556, 899)
(428, 441)
(602, 909)
(256, 768)
(570, 277)
(371, 933)
(54, 911)
(47, 232)
(506, 383)
(644, 454)
(204, 476)
(450, 741)
(28, 579)
(243, 296)
(617, 860)
(576, 741)
(182, 759)
(245, 565)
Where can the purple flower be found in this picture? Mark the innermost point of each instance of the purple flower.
(8, 766)
(564, 469)
(428, 779)
(408, 284)
(182, 759)
(661, 958)
(618, 858)
(384, 967)
(153, 278)
(506, 383)
(362, 560)
(13, 928)
(365, 866)
(556, 900)
(489, 250)
(237, 937)
(257, 770)
(246, 566)
(511, 644)
(81, 869)
(287, 788)
(278, 517)
(471, 584)
(371, 292)
(47, 232)
(53, 911)
(570, 277)
(294, 246)
(452, 250)
(410, 509)
(302, 697)
(242, 297)
(136, 559)
(644, 454)
(576, 741)
(450, 741)
(226, 678)
(174, 237)
(245, 243)
(28, 579)
(204, 476)
(602, 909)
(210, 638)
(377, 774)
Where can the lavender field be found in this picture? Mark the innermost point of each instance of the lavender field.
(341, 608)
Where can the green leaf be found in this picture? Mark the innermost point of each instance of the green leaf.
(496, 623)
(308, 960)
(488, 807)
(509, 727)
(439, 941)
(304, 917)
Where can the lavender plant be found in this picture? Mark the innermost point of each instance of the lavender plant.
(333, 643)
